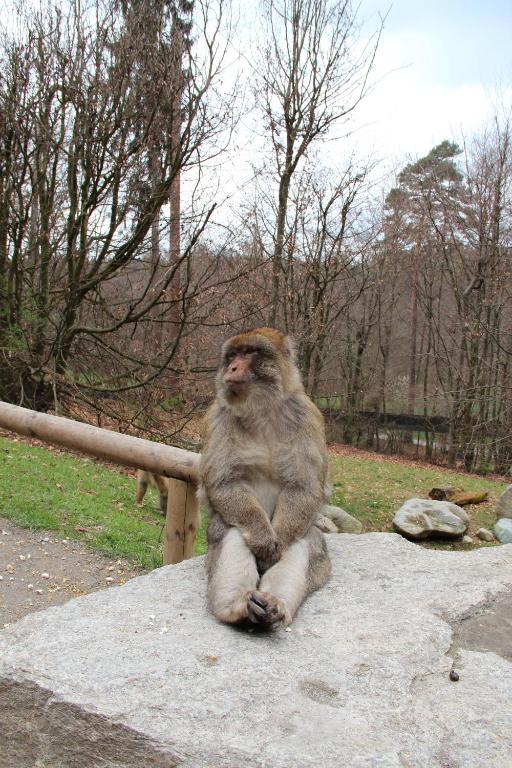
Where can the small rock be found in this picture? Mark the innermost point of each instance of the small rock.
(45, 575)
(10, 568)
(39, 591)
(454, 675)
(420, 519)
(5, 533)
(30, 586)
(503, 530)
(485, 534)
(109, 579)
(1, 578)
(22, 557)
(110, 568)
(504, 504)
(344, 522)
(326, 525)
(467, 540)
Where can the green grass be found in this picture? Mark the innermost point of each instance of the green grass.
(373, 489)
(41, 488)
(45, 489)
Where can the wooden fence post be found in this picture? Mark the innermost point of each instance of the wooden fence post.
(181, 521)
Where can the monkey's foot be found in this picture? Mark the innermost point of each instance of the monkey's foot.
(267, 611)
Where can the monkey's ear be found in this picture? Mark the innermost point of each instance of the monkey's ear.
(289, 349)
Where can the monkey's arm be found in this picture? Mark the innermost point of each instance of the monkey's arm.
(303, 468)
(296, 511)
(239, 508)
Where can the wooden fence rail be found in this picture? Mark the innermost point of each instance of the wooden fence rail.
(181, 467)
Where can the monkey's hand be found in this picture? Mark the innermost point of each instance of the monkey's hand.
(265, 548)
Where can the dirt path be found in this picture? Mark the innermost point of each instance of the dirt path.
(39, 569)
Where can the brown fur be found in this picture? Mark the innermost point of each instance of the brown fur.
(263, 473)
(159, 483)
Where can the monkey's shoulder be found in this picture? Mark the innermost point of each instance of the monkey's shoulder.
(303, 418)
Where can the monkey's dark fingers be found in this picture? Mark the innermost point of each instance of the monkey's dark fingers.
(265, 610)
(258, 599)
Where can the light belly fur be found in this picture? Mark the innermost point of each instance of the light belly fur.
(266, 491)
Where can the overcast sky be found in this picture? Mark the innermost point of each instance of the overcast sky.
(439, 69)
(446, 60)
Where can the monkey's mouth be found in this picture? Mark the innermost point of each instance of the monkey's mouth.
(236, 389)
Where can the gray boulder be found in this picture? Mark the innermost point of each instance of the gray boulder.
(142, 675)
(503, 530)
(421, 519)
(504, 503)
(344, 522)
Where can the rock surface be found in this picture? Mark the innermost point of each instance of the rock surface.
(504, 503)
(503, 530)
(421, 519)
(141, 675)
(344, 522)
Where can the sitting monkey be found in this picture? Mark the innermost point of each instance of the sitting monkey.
(155, 481)
(262, 476)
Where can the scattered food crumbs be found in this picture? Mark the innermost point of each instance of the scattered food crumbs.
(39, 570)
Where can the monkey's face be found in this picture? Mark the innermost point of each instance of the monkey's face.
(249, 366)
(240, 371)
(257, 368)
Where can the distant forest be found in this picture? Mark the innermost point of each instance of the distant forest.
(119, 280)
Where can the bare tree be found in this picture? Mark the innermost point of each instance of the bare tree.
(83, 104)
(311, 78)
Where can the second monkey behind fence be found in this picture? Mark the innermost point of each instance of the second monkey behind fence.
(145, 479)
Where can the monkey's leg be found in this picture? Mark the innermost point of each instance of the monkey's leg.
(232, 573)
(303, 568)
(142, 487)
(163, 503)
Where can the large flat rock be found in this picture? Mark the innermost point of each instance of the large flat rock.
(141, 676)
